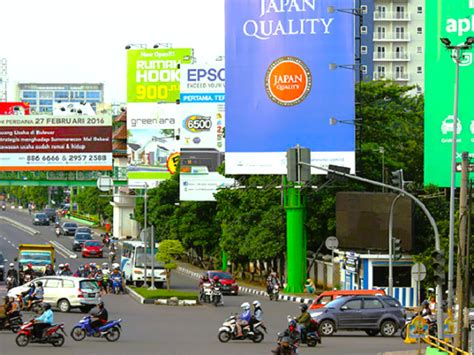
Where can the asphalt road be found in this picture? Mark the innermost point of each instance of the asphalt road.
(149, 329)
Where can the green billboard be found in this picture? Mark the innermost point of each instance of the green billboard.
(453, 20)
(153, 74)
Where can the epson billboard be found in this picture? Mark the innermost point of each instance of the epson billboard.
(280, 90)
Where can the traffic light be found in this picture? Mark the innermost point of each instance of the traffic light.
(396, 249)
(438, 261)
(397, 179)
(297, 172)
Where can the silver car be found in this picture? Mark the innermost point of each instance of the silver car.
(66, 292)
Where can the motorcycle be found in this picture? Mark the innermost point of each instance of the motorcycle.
(216, 296)
(206, 293)
(10, 282)
(110, 330)
(311, 338)
(116, 284)
(3, 207)
(432, 327)
(51, 335)
(13, 324)
(228, 331)
(58, 232)
(286, 345)
(36, 306)
(274, 292)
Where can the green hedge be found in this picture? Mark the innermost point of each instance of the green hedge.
(155, 294)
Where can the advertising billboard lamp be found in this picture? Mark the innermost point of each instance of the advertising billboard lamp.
(163, 45)
(135, 46)
(457, 56)
(334, 121)
(439, 295)
(355, 11)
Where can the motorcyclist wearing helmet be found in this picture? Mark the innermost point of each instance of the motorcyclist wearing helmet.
(37, 295)
(67, 270)
(291, 332)
(304, 320)
(60, 270)
(272, 280)
(43, 322)
(244, 318)
(105, 277)
(49, 270)
(216, 281)
(12, 273)
(13, 309)
(29, 271)
(257, 315)
(426, 311)
(101, 316)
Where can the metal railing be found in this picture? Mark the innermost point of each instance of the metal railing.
(391, 36)
(444, 346)
(392, 15)
(391, 56)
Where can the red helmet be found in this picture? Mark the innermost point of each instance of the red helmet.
(30, 265)
(216, 278)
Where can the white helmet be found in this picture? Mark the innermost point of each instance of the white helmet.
(12, 265)
(61, 266)
(256, 303)
(245, 306)
(115, 266)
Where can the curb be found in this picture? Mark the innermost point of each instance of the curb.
(250, 290)
(20, 226)
(135, 296)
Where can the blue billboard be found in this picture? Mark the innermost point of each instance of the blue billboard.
(280, 87)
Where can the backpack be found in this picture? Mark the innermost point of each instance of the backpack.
(313, 326)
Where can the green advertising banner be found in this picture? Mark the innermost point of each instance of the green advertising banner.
(153, 74)
(453, 20)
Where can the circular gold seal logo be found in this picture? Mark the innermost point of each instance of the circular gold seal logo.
(288, 81)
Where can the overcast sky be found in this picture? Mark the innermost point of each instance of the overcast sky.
(84, 41)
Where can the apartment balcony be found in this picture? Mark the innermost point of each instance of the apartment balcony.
(391, 16)
(392, 37)
(392, 76)
(391, 57)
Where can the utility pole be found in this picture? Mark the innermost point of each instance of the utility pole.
(461, 264)
(145, 236)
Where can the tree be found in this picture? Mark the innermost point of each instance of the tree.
(168, 250)
(90, 201)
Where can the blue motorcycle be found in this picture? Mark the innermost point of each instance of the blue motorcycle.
(117, 284)
(110, 330)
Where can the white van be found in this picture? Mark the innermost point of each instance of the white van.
(66, 292)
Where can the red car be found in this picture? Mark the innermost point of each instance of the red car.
(229, 284)
(93, 248)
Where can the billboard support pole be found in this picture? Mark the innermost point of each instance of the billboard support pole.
(224, 261)
(390, 246)
(295, 239)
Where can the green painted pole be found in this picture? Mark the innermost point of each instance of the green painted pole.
(224, 261)
(295, 240)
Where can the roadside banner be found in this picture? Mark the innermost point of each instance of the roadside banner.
(280, 87)
(55, 143)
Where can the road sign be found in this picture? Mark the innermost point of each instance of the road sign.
(331, 243)
(105, 183)
(418, 272)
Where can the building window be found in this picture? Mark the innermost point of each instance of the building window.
(419, 9)
(363, 69)
(419, 90)
(363, 49)
(46, 102)
(45, 109)
(363, 30)
(79, 95)
(419, 70)
(363, 9)
(419, 30)
(46, 94)
(30, 102)
(93, 94)
(61, 95)
(419, 50)
(29, 94)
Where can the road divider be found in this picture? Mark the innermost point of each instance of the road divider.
(62, 250)
(19, 225)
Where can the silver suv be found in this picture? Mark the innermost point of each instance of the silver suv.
(66, 292)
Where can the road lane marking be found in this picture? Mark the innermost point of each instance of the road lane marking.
(61, 249)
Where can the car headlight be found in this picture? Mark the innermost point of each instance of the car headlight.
(316, 314)
(36, 220)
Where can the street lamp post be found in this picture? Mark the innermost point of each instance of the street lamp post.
(457, 56)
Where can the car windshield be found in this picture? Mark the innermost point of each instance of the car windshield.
(89, 285)
(84, 230)
(40, 215)
(70, 225)
(93, 244)
(221, 275)
(83, 237)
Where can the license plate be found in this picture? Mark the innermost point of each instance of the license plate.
(91, 295)
(93, 252)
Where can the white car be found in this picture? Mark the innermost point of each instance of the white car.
(448, 125)
(66, 292)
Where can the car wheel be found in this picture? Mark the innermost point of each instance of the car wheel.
(327, 327)
(372, 332)
(388, 328)
(64, 305)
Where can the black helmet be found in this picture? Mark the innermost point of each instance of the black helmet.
(39, 283)
(46, 306)
(100, 304)
(304, 307)
(425, 304)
